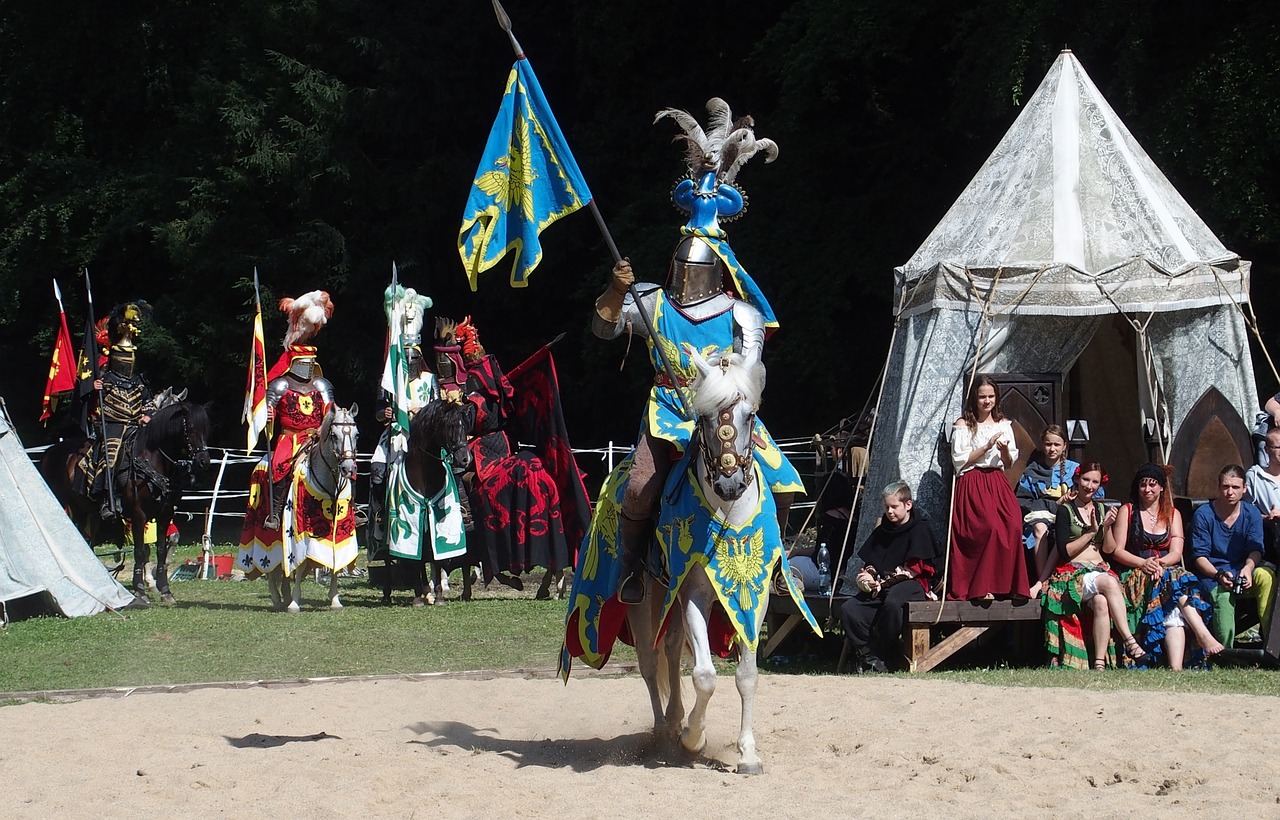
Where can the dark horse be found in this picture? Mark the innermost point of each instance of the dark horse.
(156, 467)
(440, 425)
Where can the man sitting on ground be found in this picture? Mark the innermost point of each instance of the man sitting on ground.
(899, 564)
(1226, 543)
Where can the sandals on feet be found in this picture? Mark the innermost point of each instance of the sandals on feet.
(1100, 665)
(1134, 649)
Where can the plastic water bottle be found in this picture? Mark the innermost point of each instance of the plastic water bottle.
(824, 569)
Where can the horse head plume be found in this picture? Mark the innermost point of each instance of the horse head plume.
(723, 378)
(407, 308)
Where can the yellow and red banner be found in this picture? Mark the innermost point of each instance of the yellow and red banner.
(255, 391)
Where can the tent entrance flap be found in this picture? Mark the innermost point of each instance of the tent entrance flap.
(1103, 389)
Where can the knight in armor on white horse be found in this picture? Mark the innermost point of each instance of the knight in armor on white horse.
(708, 305)
(705, 472)
(298, 517)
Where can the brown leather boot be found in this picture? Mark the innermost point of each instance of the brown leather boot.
(634, 536)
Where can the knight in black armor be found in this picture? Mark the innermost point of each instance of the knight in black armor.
(123, 399)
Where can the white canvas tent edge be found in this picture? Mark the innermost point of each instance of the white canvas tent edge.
(41, 551)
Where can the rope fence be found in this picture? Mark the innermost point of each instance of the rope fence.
(223, 502)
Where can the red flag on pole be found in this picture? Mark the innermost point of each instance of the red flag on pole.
(255, 391)
(62, 366)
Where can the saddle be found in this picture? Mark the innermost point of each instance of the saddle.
(127, 468)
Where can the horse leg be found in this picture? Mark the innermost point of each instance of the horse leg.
(544, 588)
(745, 678)
(162, 559)
(642, 619)
(292, 589)
(334, 602)
(436, 595)
(421, 595)
(141, 555)
(275, 583)
(669, 652)
(467, 582)
(697, 604)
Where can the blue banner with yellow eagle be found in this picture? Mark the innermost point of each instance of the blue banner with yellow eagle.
(527, 179)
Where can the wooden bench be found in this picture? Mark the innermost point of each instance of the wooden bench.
(974, 619)
(782, 605)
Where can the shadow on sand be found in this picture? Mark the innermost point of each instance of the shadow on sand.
(577, 754)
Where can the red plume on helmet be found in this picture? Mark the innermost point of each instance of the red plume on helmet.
(468, 337)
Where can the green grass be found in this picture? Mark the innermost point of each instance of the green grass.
(226, 631)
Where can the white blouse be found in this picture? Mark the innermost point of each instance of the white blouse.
(963, 442)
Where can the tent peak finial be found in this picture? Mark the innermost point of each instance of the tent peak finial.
(1065, 50)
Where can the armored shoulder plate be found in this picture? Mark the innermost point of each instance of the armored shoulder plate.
(325, 389)
(276, 390)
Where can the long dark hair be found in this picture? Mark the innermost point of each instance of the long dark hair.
(1160, 473)
(971, 403)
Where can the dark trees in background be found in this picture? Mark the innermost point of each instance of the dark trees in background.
(173, 146)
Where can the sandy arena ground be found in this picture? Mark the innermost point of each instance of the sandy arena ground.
(832, 747)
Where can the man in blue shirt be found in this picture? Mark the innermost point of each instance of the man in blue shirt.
(1226, 544)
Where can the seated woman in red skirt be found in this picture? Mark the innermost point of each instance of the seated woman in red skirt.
(986, 525)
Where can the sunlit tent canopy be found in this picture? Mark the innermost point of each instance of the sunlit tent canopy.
(1072, 260)
(42, 555)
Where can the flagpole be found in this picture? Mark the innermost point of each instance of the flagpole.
(271, 521)
(102, 419)
(505, 23)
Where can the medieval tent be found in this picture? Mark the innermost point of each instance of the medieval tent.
(42, 555)
(1071, 270)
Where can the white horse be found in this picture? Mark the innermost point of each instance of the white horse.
(726, 395)
(330, 467)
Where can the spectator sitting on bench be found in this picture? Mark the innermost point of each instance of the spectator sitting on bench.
(1046, 479)
(1226, 541)
(1262, 489)
(899, 564)
(1083, 582)
(1166, 603)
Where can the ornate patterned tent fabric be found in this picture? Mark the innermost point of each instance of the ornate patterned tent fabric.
(1077, 222)
(1076, 218)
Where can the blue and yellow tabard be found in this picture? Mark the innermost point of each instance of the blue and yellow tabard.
(663, 415)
